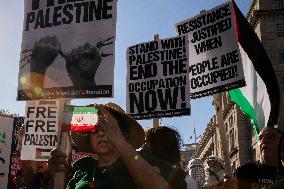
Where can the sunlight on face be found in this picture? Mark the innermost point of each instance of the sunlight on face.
(100, 144)
(268, 142)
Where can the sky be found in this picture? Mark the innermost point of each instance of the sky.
(137, 21)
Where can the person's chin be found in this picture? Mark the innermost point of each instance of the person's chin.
(266, 157)
(103, 148)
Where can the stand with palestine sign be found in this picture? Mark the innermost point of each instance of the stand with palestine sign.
(215, 63)
(157, 78)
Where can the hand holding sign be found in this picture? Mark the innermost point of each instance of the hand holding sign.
(57, 162)
(43, 54)
(82, 64)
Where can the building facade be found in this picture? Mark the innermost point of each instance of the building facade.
(209, 144)
(187, 154)
(267, 19)
(237, 136)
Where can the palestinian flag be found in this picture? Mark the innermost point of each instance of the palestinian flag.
(80, 118)
(260, 99)
(42, 154)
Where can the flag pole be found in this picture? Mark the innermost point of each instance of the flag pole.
(156, 120)
(62, 143)
(194, 132)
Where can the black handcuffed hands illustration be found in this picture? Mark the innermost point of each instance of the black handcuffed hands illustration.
(43, 54)
(81, 63)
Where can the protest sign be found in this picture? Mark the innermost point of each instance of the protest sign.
(41, 126)
(157, 78)
(214, 58)
(18, 123)
(16, 166)
(6, 129)
(67, 49)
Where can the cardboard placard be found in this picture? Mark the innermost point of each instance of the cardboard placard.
(215, 63)
(41, 126)
(67, 49)
(157, 78)
(6, 130)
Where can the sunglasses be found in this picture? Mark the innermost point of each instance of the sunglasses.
(102, 121)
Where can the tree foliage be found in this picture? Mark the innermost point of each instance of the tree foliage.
(4, 112)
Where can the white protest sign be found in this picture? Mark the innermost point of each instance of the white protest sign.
(67, 49)
(157, 78)
(6, 132)
(41, 126)
(214, 58)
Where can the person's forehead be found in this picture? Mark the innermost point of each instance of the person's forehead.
(267, 137)
(96, 132)
(265, 133)
(270, 132)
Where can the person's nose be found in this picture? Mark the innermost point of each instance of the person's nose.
(101, 134)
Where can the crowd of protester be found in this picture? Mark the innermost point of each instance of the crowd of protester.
(120, 154)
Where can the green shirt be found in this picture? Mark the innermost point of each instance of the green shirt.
(115, 176)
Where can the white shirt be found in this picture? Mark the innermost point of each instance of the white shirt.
(191, 183)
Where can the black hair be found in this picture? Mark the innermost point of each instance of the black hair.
(165, 143)
(281, 149)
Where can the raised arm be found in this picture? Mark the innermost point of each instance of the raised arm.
(143, 174)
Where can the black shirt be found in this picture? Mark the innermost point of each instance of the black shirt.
(86, 174)
(255, 175)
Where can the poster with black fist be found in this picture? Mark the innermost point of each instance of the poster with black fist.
(67, 49)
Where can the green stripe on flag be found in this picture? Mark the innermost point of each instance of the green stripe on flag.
(238, 97)
(80, 109)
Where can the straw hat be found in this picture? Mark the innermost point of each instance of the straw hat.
(134, 131)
